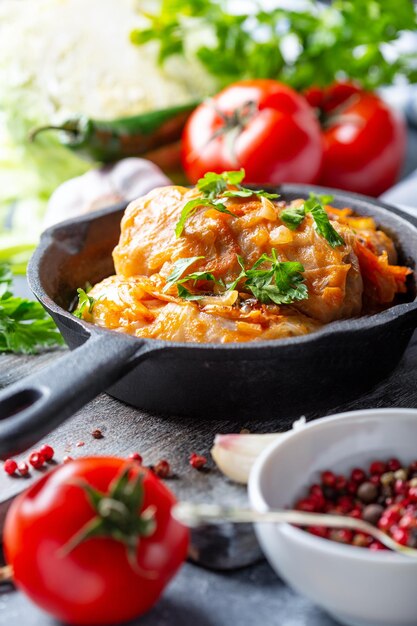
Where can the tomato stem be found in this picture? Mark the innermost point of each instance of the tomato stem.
(118, 515)
(233, 124)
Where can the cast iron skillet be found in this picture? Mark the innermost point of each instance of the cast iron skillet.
(252, 380)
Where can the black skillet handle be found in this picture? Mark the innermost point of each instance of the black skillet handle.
(39, 403)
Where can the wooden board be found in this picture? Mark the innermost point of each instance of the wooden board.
(127, 429)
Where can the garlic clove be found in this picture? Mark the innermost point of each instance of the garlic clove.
(235, 454)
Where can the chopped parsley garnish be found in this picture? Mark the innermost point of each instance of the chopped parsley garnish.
(281, 283)
(293, 217)
(179, 268)
(324, 226)
(25, 327)
(191, 207)
(214, 188)
(85, 303)
(232, 286)
(213, 185)
(185, 294)
(177, 278)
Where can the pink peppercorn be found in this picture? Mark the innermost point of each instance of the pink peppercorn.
(400, 535)
(318, 531)
(390, 503)
(36, 460)
(388, 519)
(162, 468)
(408, 520)
(316, 490)
(377, 468)
(198, 461)
(328, 479)
(10, 467)
(345, 503)
(401, 487)
(318, 499)
(135, 456)
(351, 487)
(393, 465)
(340, 483)
(47, 452)
(306, 505)
(357, 475)
(23, 469)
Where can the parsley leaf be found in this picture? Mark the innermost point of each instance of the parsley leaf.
(214, 188)
(187, 295)
(179, 268)
(177, 278)
(293, 217)
(325, 228)
(25, 327)
(238, 193)
(322, 198)
(232, 286)
(212, 184)
(6, 277)
(85, 302)
(191, 207)
(201, 276)
(288, 280)
(244, 192)
(281, 283)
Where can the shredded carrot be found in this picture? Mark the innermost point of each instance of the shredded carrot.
(344, 216)
(381, 280)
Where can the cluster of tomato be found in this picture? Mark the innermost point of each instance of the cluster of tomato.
(340, 136)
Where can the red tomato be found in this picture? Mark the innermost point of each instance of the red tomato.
(94, 582)
(260, 125)
(364, 140)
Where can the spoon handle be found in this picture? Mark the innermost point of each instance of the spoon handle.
(194, 515)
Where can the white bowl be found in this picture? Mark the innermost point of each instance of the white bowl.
(356, 586)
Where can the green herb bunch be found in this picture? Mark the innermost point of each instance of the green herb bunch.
(317, 45)
(25, 327)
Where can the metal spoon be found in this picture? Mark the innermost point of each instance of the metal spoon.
(194, 515)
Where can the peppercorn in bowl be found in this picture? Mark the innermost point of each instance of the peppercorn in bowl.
(357, 586)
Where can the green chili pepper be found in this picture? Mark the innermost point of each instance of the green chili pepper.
(111, 140)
